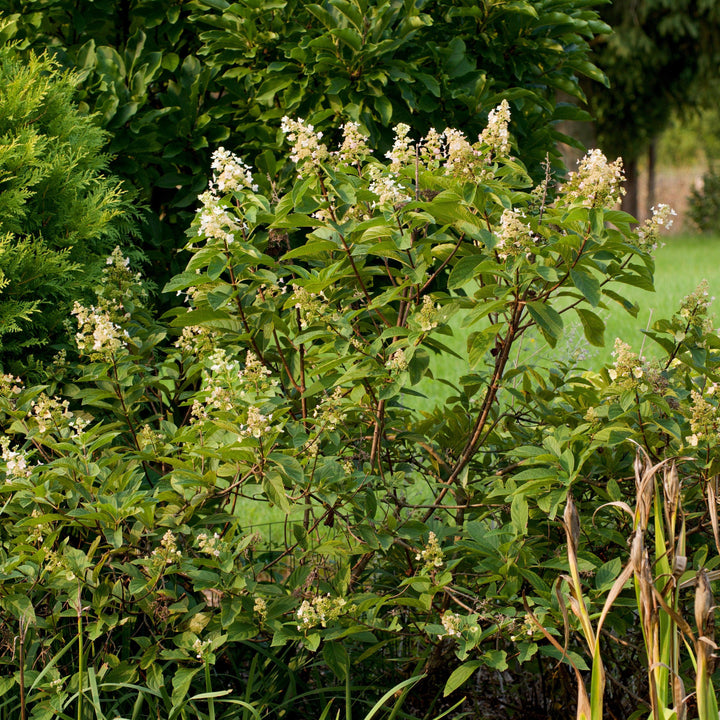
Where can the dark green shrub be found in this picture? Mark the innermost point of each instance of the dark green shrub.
(172, 81)
(60, 213)
(704, 204)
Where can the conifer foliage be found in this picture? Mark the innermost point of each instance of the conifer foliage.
(60, 212)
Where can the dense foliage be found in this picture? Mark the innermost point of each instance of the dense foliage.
(172, 81)
(260, 502)
(60, 213)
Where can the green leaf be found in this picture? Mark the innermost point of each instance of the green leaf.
(336, 656)
(181, 685)
(519, 514)
(587, 285)
(384, 109)
(350, 37)
(547, 318)
(593, 326)
(460, 676)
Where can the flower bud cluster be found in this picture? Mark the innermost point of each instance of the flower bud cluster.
(120, 285)
(397, 361)
(628, 370)
(455, 624)
(197, 340)
(168, 552)
(596, 183)
(307, 150)
(49, 412)
(209, 545)
(260, 609)
(202, 648)
(256, 425)
(97, 333)
(310, 306)
(320, 610)
(451, 622)
(58, 565)
(329, 413)
(426, 317)
(514, 236)
(693, 313)
(431, 555)
(431, 149)
(16, 462)
(10, 385)
(705, 416)
(662, 217)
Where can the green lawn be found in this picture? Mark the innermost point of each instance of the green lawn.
(680, 266)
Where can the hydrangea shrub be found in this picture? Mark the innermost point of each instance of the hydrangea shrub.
(258, 494)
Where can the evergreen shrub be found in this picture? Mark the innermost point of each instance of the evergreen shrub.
(60, 211)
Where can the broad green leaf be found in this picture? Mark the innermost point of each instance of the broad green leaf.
(588, 285)
(461, 675)
(593, 326)
(547, 318)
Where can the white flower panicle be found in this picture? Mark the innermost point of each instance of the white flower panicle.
(209, 545)
(461, 158)
(49, 412)
(118, 260)
(596, 183)
(260, 609)
(387, 188)
(514, 235)
(16, 462)
(431, 149)
(403, 149)
(397, 361)
(230, 172)
(427, 315)
(168, 552)
(97, 333)
(628, 369)
(215, 222)
(354, 148)
(257, 425)
(705, 415)
(310, 306)
(451, 622)
(496, 135)
(320, 611)
(202, 648)
(662, 217)
(432, 554)
(307, 150)
(328, 413)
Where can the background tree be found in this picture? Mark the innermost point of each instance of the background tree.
(661, 58)
(174, 81)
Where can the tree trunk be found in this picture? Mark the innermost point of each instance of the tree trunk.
(630, 200)
(651, 177)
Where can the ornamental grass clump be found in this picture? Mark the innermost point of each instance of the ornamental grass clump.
(255, 502)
